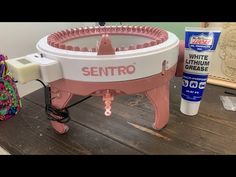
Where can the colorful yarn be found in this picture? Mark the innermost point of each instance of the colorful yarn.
(10, 102)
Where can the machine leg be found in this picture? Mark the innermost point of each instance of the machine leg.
(159, 97)
(59, 100)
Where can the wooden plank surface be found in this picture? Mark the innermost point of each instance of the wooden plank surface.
(118, 128)
(31, 133)
(129, 129)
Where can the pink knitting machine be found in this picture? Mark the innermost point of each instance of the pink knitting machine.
(107, 61)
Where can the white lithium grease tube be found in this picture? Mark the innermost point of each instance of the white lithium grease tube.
(200, 44)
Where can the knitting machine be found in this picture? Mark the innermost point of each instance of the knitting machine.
(104, 61)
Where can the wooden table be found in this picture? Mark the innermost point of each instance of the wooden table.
(127, 131)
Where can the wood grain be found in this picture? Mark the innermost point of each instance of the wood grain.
(129, 129)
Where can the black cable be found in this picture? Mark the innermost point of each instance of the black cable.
(80, 101)
(51, 111)
(41, 83)
(63, 114)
